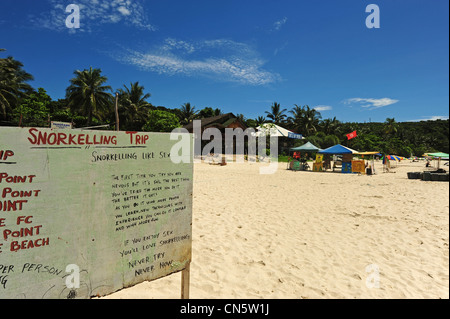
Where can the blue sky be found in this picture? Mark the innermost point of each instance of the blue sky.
(241, 56)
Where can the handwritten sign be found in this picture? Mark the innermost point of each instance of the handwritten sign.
(359, 167)
(86, 213)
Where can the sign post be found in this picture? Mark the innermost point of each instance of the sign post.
(87, 213)
(185, 281)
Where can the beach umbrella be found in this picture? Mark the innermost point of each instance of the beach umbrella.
(439, 155)
(393, 158)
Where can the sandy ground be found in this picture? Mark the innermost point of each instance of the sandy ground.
(313, 235)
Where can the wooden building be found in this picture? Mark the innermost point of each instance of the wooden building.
(220, 122)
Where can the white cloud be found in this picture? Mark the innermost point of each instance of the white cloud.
(278, 24)
(171, 44)
(94, 13)
(431, 118)
(371, 103)
(322, 108)
(222, 60)
(124, 11)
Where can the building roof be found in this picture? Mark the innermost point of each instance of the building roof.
(220, 121)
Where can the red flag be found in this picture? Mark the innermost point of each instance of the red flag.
(352, 135)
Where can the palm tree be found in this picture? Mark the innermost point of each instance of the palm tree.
(13, 84)
(133, 107)
(88, 95)
(260, 120)
(218, 112)
(296, 122)
(187, 113)
(305, 120)
(390, 126)
(312, 119)
(276, 115)
(207, 112)
(325, 126)
(330, 126)
(241, 118)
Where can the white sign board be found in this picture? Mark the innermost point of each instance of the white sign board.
(60, 125)
(86, 213)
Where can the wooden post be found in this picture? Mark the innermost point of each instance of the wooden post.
(185, 281)
(117, 111)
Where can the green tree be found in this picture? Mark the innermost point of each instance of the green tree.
(13, 85)
(368, 142)
(241, 118)
(161, 121)
(390, 127)
(218, 112)
(330, 140)
(305, 120)
(89, 96)
(316, 140)
(311, 119)
(59, 111)
(296, 121)
(133, 107)
(260, 120)
(187, 113)
(396, 146)
(276, 114)
(33, 110)
(330, 126)
(208, 112)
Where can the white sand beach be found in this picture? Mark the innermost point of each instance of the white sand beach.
(312, 235)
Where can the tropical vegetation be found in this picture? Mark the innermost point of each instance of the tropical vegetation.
(89, 101)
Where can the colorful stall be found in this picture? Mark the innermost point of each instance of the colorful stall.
(345, 152)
